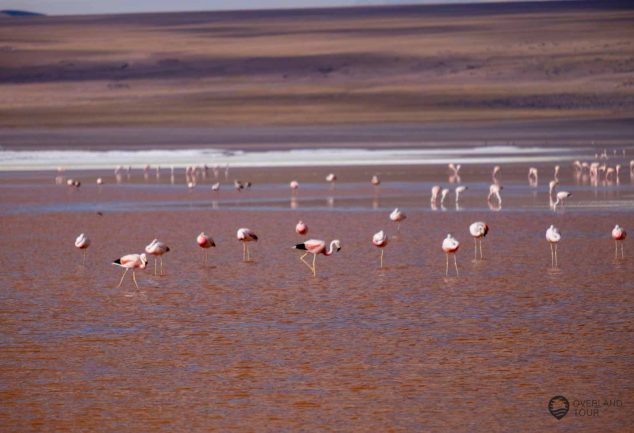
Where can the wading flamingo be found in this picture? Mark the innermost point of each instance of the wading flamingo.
(435, 190)
(553, 237)
(379, 240)
(83, 242)
(205, 242)
(375, 180)
(314, 247)
(561, 196)
(157, 248)
(450, 245)
(494, 191)
(618, 234)
(294, 185)
(459, 190)
(397, 216)
(245, 235)
(301, 228)
(131, 261)
(479, 231)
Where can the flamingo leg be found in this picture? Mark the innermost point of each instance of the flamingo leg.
(206, 256)
(83, 262)
(455, 263)
(398, 226)
(314, 269)
(155, 261)
(134, 279)
(481, 256)
(556, 258)
(381, 258)
(122, 277)
(475, 253)
(447, 267)
(244, 251)
(161, 258)
(304, 261)
(622, 252)
(248, 255)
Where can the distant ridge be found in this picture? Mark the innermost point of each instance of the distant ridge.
(16, 13)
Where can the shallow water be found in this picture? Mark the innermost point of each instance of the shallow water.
(264, 346)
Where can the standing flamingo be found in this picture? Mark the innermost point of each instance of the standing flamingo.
(494, 191)
(459, 190)
(157, 248)
(375, 180)
(314, 247)
(205, 242)
(332, 178)
(618, 234)
(435, 190)
(379, 240)
(561, 196)
(479, 231)
(294, 185)
(397, 216)
(301, 228)
(131, 261)
(553, 237)
(443, 196)
(450, 245)
(82, 242)
(245, 235)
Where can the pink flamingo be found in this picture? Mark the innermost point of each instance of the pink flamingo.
(294, 185)
(618, 234)
(205, 242)
(301, 228)
(494, 191)
(157, 248)
(435, 190)
(450, 245)
(82, 242)
(245, 235)
(131, 261)
(379, 240)
(332, 178)
(314, 247)
(397, 216)
(375, 180)
(479, 231)
(553, 237)
(561, 196)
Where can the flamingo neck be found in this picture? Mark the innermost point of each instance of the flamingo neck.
(331, 250)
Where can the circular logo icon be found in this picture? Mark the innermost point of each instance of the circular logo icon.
(558, 406)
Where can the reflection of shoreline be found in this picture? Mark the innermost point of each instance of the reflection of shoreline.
(50, 159)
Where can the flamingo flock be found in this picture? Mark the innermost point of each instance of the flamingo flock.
(450, 245)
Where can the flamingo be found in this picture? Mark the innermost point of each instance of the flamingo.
(99, 181)
(245, 235)
(556, 174)
(479, 231)
(239, 186)
(379, 240)
(459, 190)
(131, 261)
(494, 191)
(561, 196)
(294, 185)
(82, 242)
(455, 168)
(157, 248)
(496, 171)
(532, 176)
(205, 242)
(314, 247)
(450, 245)
(301, 228)
(551, 187)
(375, 180)
(332, 178)
(397, 216)
(618, 234)
(553, 237)
(443, 195)
(435, 190)
(215, 187)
